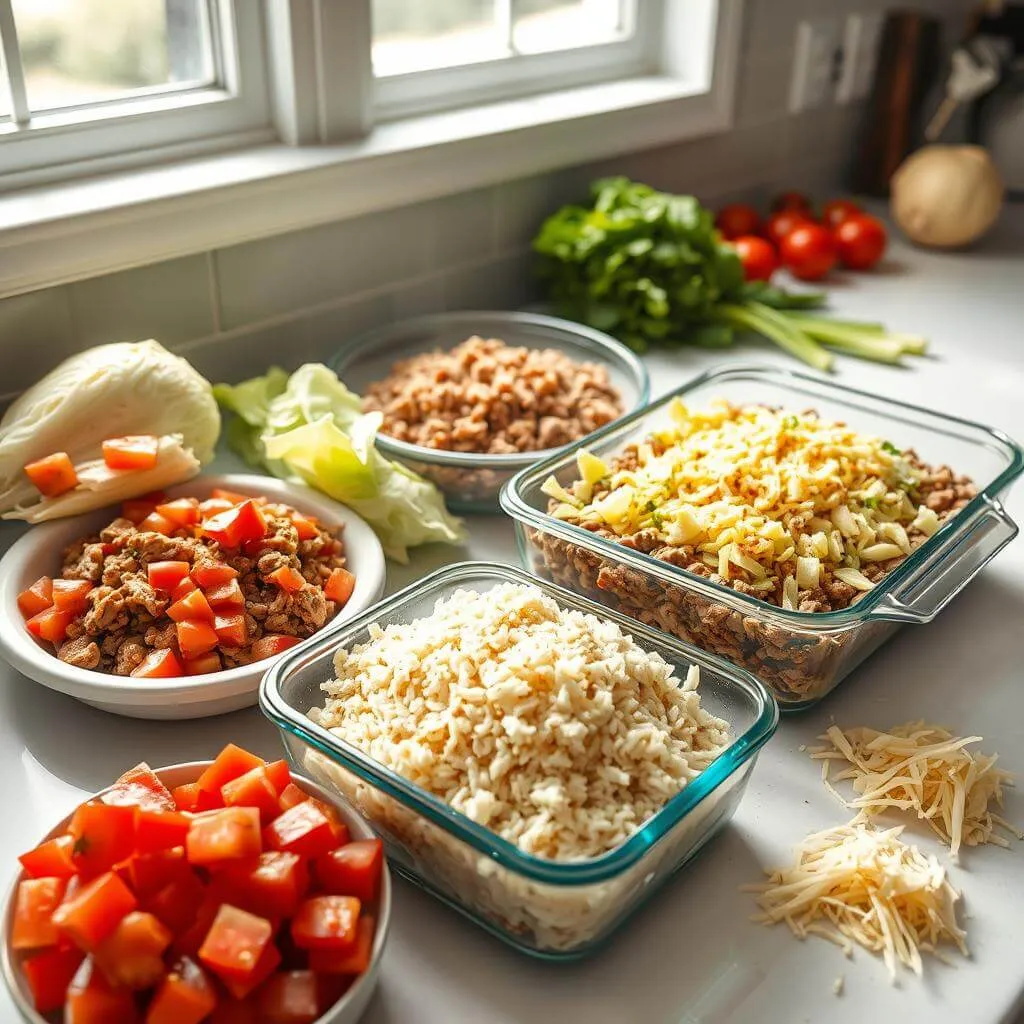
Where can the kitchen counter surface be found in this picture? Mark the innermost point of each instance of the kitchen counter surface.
(692, 956)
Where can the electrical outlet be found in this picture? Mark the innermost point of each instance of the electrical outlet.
(860, 55)
(819, 45)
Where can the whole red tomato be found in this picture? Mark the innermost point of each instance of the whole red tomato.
(758, 257)
(737, 219)
(861, 241)
(809, 251)
(835, 211)
(780, 224)
(791, 201)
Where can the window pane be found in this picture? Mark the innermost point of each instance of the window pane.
(415, 35)
(81, 51)
(544, 25)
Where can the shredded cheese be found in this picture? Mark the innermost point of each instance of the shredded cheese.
(923, 768)
(857, 884)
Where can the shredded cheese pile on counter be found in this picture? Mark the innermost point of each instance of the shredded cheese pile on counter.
(926, 769)
(782, 502)
(857, 884)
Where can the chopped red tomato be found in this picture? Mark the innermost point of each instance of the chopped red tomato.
(234, 1011)
(37, 598)
(188, 941)
(228, 834)
(136, 509)
(150, 872)
(71, 595)
(94, 911)
(231, 630)
(192, 607)
(352, 870)
(303, 829)
(161, 664)
(53, 475)
(191, 797)
(156, 523)
(140, 787)
(92, 999)
(273, 886)
(235, 943)
(49, 974)
(185, 996)
(213, 575)
(136, 451)
(177, 903)
(279, 774)
(305, 526)
(51, 859)
(339, 586)
(160, 830)
(288, 579)
(292, 795)
(353, 962)
(253, 789)
(195, 637)
(205, 663)
(291, 997)
(237, 525)
(226, 598)
(104, 835)
(181, 511)
(51, 624)
(34, 904)
(326, 922)
(271, 645)
(182, 590)
(231, 762)
(214, 506)
(166, 576)
(132, 955)
(269, 962)
(235, 497)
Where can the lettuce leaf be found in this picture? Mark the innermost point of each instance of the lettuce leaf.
(310, 427)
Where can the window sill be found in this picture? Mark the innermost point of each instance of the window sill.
(55, 234)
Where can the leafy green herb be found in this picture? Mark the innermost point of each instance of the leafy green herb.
(790, 423)
(871, 503)
(651, 506)
(657, 519)
(888, 446)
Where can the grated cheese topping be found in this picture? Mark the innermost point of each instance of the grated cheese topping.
(923, 768)
(857, 884)
(779, 501)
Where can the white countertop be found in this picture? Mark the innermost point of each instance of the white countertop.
(692, 956)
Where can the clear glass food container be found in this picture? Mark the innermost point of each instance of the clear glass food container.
(553, 910)
(800, 656)
(471, 481)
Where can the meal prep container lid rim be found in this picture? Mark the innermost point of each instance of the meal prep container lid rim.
(483, 840)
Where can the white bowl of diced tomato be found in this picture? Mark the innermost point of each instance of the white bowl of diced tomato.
(225, 890)
(204, 604)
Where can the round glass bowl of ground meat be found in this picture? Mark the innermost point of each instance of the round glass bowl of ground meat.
(468, 399)
(174, 605)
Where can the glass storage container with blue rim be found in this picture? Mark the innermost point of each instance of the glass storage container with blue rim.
(545, 908)
(801, 656)
(471, 481)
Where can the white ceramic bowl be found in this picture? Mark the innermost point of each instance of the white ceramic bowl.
(346, 1010)
(38, 553)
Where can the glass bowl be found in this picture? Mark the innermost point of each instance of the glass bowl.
(471, 481)
(553, 910)
(801, 656)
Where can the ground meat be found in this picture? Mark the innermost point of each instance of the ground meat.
(130, 655)
(84, 562)
(81, 652)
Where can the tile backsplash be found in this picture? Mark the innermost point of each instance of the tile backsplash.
(293, 297)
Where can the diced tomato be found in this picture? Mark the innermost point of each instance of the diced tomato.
(253, 789)
(268, 962)
(229, 764)
(234, 1011)
(51, 624)
(288, 579)
(49, 974)
(140, 787)
(161, 664)
(339, 586)
(104, 835)
(213, 575)
(244, 522)
(160, 830)
(188, 941)
(37, 598)
(231, 630)
(150, 872)
(52, 475)
(305, 526)
(271, 645)
(226, 598)
(214, 506)
(50, 859)
(94, 911)
(182, 590)
(193, 607)
(177, 903)
(185, 996)
(92, 999)
(235, 497)
(136, 509)
(166, 576)
(132, 955)
(291, 997)
(71, 595)
(353, 962)
(228, 834)
(205, 663)
(236, 942)
(292, 795)
(352, 870)
(303, 829)
(326, 922)
(279, 774)
(135, 451)
(36, 900)
(156, 523)
(191, 797)
(181, 511)
(195, 637)
(272, 886)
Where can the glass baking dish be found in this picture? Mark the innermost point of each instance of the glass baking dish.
(801, 656)
(548, 909)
